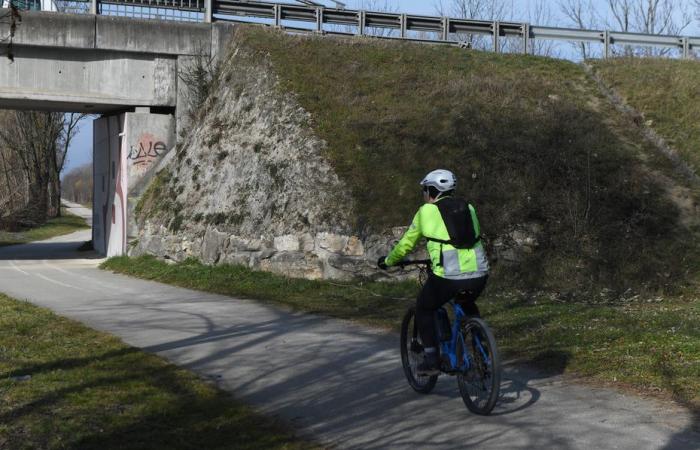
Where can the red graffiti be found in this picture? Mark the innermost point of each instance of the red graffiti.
(147, 150)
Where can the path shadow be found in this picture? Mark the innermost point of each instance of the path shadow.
(517, 392)
(46, 251)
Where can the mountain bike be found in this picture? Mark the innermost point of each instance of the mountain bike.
(467, 351)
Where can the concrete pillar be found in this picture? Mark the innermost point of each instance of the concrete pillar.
(126, 150)
(110, 186)
(93, 7)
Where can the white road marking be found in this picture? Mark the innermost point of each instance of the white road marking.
(51, 280)
(14, 266)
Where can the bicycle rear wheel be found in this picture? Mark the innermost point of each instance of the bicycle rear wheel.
(481, 384)
(412, 354)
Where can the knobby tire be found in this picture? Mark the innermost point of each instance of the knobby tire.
(410, 359)
(480, 386)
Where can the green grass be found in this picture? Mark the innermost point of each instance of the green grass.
(88, 390)
(531, 139)
(66, 224)
(645, 342)
(666, 92)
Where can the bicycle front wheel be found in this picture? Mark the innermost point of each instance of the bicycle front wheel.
(480, 384)
(412, 354)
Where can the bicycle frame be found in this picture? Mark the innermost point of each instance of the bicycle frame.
(450, 348)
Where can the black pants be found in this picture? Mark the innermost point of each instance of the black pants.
(436, 292)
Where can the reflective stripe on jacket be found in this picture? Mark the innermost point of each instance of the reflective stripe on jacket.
(456, 264)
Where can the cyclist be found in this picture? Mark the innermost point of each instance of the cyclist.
(459, 261)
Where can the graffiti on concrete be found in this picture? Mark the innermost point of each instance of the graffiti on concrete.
(147, 150)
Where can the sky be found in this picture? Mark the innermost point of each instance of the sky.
(80, 151)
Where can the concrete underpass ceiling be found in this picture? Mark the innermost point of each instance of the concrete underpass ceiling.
(54, 106)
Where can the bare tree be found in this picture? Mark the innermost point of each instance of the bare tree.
(475, 9)
(8, 28)
(621, 18)
(77, 185)
(582, 15)
(37, 143)
(650, 17)
(539, 12)
(661, 17)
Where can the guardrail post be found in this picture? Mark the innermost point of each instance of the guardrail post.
(496, 36)
(445, 28)
(526, 37)
(361, 19)
(606, 44)
(686, 48)
(93, 7)
(319, 20)
(403, 25)
(278, 15)
(207, 10)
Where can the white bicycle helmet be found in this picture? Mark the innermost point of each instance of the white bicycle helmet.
(441, 179)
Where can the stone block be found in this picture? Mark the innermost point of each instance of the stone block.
(331, 242)
(240, 244)
(354, 247)
(307, 242)
(287, 243)
(213, 246)
(293, 264)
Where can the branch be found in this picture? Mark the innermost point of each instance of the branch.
(12, 17)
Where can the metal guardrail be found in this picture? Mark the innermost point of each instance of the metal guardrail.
(444, 27)
(360, 21)
(182, 5)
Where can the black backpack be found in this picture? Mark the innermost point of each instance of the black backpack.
(458, 220)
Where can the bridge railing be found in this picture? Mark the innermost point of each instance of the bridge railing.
(443, 29)
(436, 29)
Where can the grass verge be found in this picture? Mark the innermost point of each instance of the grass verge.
(665, 92)
(649, 343)
(66, 224)
(88, 390)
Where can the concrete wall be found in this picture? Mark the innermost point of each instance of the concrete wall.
(85, 31)
(110, 186)
(67, 79)
(149, 138)
(126, 149)
(100, 64)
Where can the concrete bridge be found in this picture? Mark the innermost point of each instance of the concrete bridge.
(126, 71)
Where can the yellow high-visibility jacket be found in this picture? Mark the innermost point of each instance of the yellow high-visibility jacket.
(447, 261)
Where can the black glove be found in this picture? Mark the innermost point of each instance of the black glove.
(381, 263)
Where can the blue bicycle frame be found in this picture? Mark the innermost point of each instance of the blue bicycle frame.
(449, 348)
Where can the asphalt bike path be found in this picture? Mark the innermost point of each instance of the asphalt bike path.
(334, 380)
